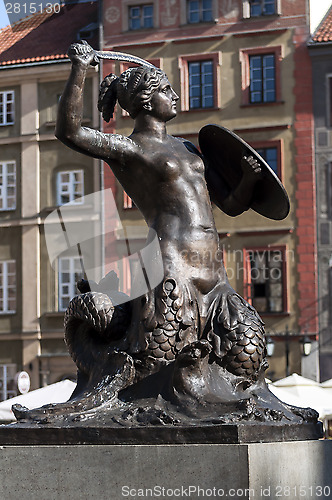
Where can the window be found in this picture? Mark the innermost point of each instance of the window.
(70, 272)
(7, 112)
(270, 155)
(262, 7)
(201, 92)
(141, 16)
(7, 286)
(262, 78)
(200, 81)
(257, 8)
(272, 152)
(265, 279)
(7, 185)
(88, 32)
(199, 11)
(70, 187)
(8, 385)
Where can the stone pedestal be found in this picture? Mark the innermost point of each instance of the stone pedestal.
(299, 469)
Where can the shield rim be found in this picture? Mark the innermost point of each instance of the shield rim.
(261, 206)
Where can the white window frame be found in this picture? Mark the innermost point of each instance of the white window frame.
(74, 265)
(8, 97)
(246, 9)
(4, 187)
(5, 287)
(68, 188)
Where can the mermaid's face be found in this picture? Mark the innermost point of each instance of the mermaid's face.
(163, 101)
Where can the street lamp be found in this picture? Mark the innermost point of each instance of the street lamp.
(270, 346)
(304, 341)
(305, 345)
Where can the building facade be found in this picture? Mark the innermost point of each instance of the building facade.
(37, 175)
(320, 48)
(244, 65)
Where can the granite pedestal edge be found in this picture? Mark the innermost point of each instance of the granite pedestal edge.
(249, 432)
(298, 469)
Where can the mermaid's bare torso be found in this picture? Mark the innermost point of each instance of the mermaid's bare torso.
(167, 183)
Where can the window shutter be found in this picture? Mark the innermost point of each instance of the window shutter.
(246, 9)
(278, 7)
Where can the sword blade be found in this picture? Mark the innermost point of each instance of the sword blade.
(121, 56)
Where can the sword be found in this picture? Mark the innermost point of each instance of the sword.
(121, 56)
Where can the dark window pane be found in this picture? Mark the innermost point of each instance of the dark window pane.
(141, 17)
(207, 10)
(270, 155)
(269, 96)
(255, 8)
(267, 280)
(199, 11)
(262, 7)
(269, 7)
(148, 16)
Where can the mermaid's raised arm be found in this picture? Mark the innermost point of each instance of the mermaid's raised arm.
(69, 129)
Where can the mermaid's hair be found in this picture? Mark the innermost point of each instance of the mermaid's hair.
(132, 90)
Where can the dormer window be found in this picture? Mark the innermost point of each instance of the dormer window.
(87, 32)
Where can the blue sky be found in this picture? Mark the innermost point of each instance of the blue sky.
(3, 16)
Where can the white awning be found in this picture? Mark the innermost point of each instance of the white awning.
(54, 393)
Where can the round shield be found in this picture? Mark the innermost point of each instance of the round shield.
(223, 151)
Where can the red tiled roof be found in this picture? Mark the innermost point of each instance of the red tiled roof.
(324, 31)
(44, 37)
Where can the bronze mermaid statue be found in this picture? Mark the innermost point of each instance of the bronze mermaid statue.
(191, 349)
